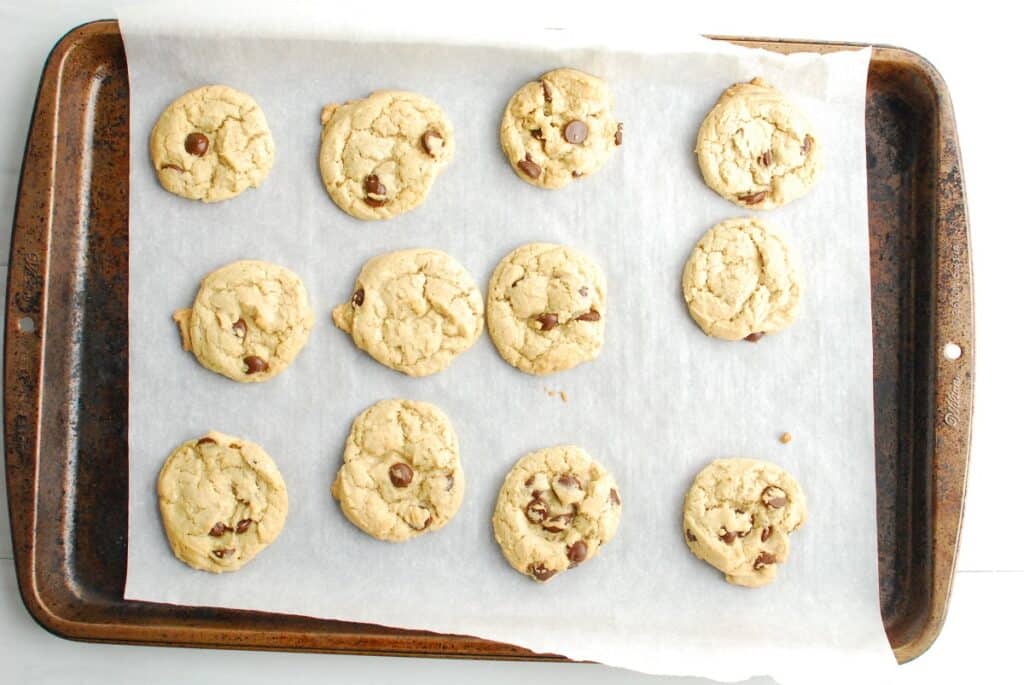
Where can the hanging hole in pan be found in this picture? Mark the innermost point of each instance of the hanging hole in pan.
(951, 351)
(26, 325)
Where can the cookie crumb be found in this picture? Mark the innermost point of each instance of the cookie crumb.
(550, 392)
(785, 438)
(565, 398)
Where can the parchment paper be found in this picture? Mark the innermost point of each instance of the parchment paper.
(658, 404)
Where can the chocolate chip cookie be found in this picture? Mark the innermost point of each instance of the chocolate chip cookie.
(248, 322)
(559, 128)
(413, 311)
(738, 516)
(379, 156)
(546, 308)
(402, 475)
(211, 144)
(222, 500)
(742, 280)
(555, 510)
(756, 149)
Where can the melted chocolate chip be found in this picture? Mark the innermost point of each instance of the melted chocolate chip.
(205, 441)
(536, 511)
(592, 315)
(240, 328)
(357, 297)
(754, 337)
(432, 142)
(450, 483)
(763, 559)
(400, 474)
(529, 481)
(529, 167)
(547, 91)
(583, 291)
(727, 537)
(774, 497)
(221, 553)
(766, 158)
(766, 533)
(690, 536)
(577, 552)
(243, 525)
(753, 198)
(575, 132)
(618, 134)
(547, 321)
(254, 364)
(373, 186)
(540, 571)
(569, 481)
(196, 144)
(219, 529)
(613, 495)
(537, 133)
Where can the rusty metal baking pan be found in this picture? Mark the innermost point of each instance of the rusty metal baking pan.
(66, 367)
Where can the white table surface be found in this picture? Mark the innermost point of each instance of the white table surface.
(973, 49)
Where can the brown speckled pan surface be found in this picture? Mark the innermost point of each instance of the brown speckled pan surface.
(66, 367)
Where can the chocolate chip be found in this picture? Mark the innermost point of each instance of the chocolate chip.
(753, 198)
(243, 526)
(774, 497)
(357, 297)
(766, 533)
(754, 337)
(529, 481)
(547, 91)
(763, 559)
(529, 167)
(196, 144)
(235, 446)
(690, 536)
(727, 537)
(766, 158)
(450, 483)
(172, 166)
(560, 522)
(204, 441)
(577, 552)
(614, 496)
(568, 481)
(536, 511)
(221, 553)
(400, 474)
(618, 134)
(219, 529)
(805, 146)
(547, 321)
(254, 364)
(540, 571)
(592, 315)
(537, 133)
(373, 186)
(575, 132)
(426, 524)
(432, 142)
(240, 328)
(576, 174)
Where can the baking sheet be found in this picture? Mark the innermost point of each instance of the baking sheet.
(658, 404)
